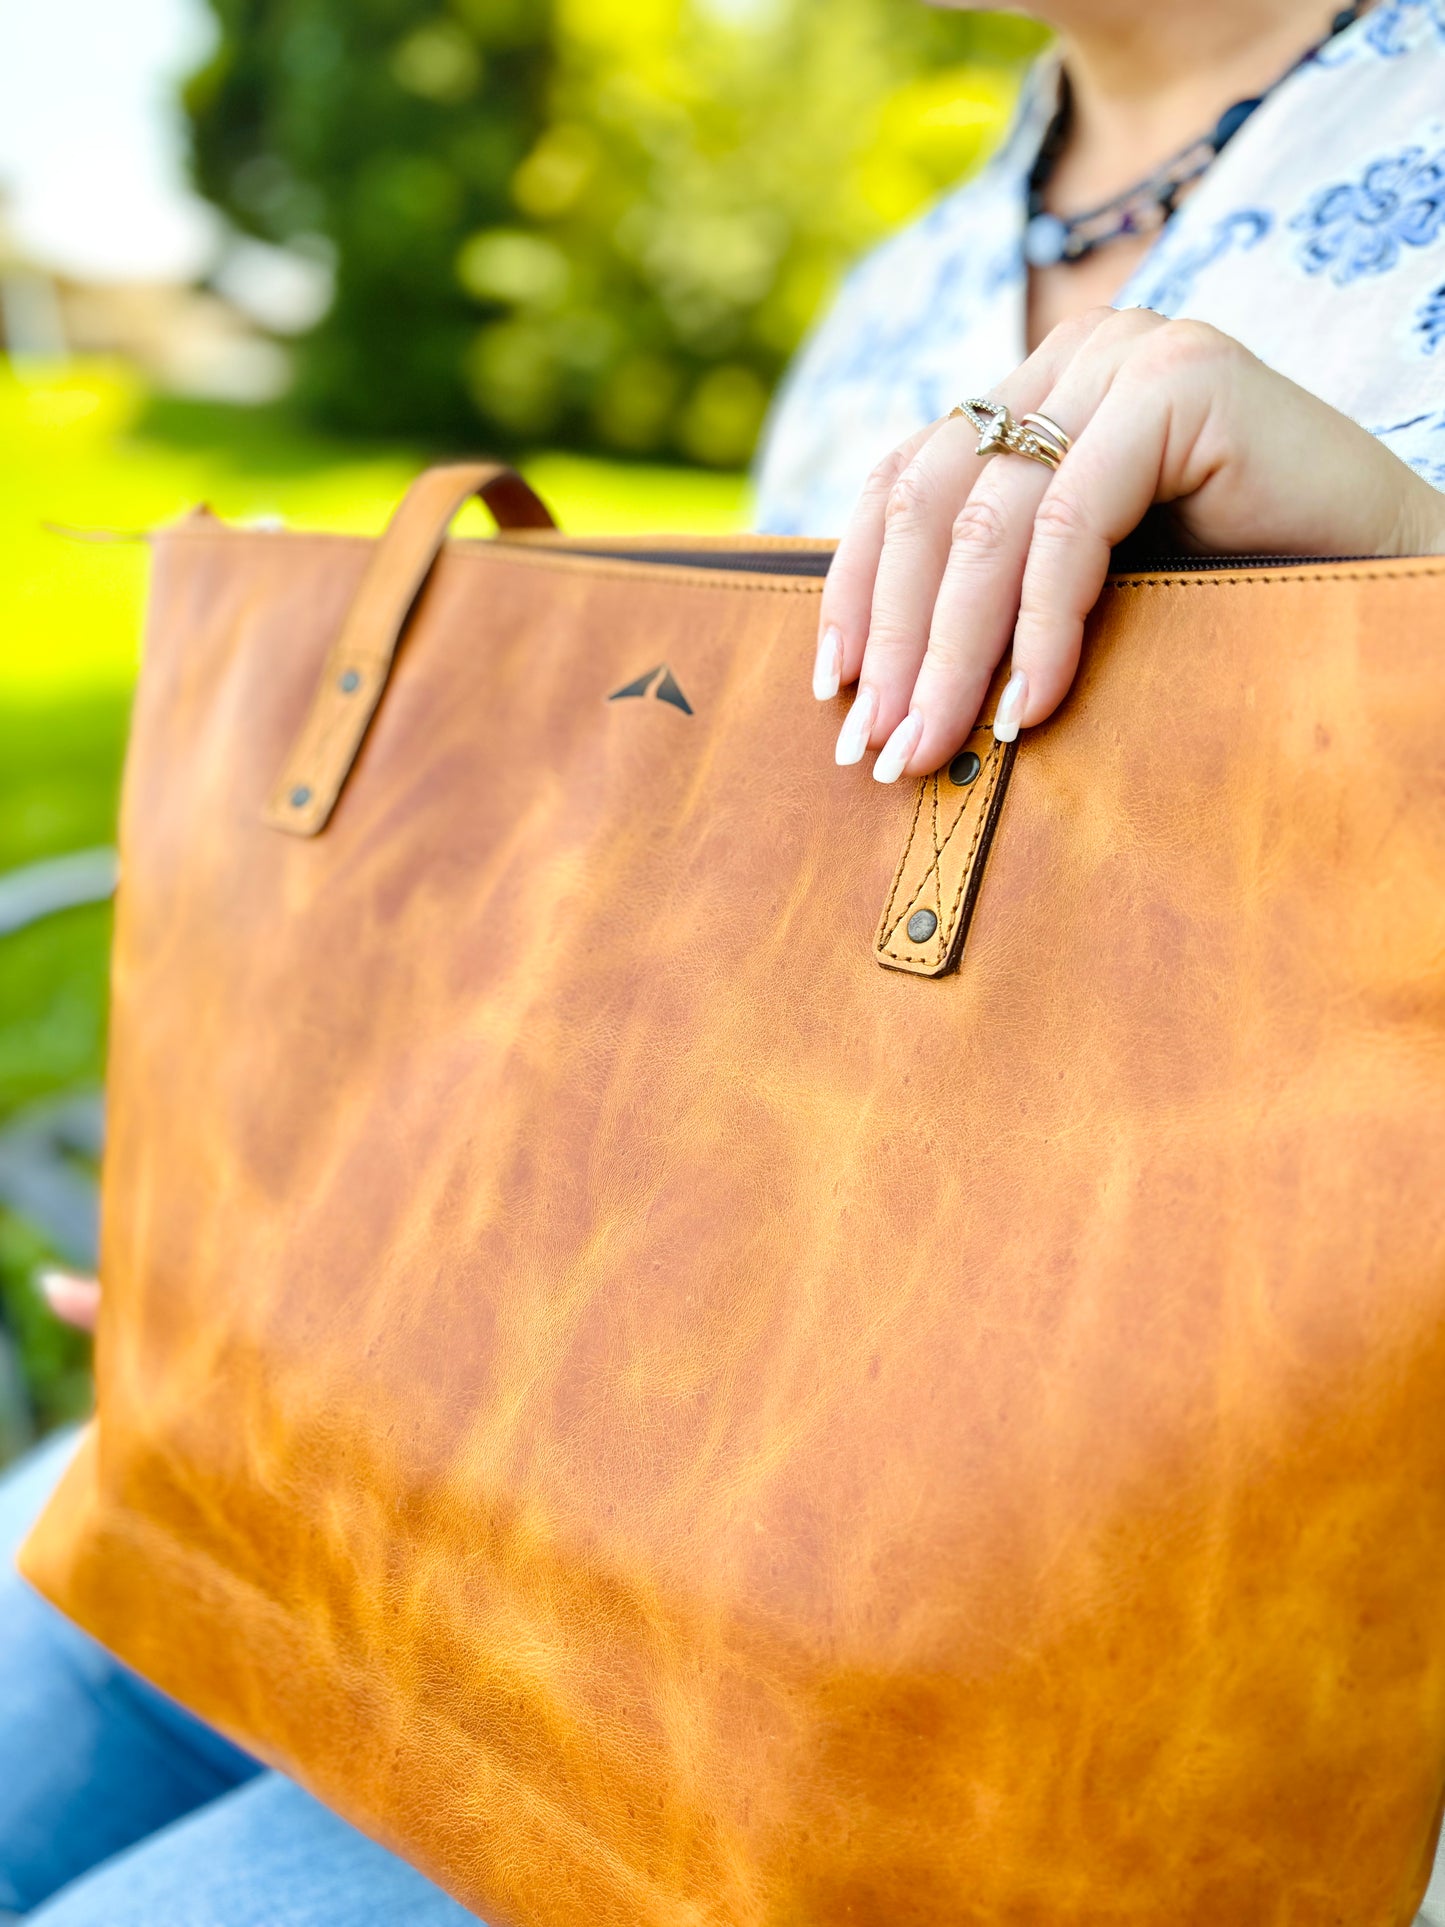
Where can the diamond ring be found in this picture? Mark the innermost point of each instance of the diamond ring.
(1036, 437)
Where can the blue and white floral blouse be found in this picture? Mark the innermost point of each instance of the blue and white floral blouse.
(1317, 239)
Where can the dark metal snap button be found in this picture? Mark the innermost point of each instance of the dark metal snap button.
(921, 925)
(964, 769)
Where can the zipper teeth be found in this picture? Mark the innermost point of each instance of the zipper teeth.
(795, 563)
(734, 561)
(1217, 564)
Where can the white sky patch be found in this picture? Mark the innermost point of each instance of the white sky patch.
(91, 142)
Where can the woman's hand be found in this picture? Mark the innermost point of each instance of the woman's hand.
(75, 1300)
(949, 559)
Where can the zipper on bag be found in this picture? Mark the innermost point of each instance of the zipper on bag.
(816, 563)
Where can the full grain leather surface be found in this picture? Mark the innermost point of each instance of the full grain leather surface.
(671, 1425)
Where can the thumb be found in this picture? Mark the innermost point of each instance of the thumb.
(74, 1300)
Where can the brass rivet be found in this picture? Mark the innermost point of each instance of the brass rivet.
(348, 682)
(921, 926)
(300, 797)
(964, 769)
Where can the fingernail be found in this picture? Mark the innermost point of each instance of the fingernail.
(853, 736)
(74, 1301)
(828, 669)
(1010, 712)
(894, 755)
(55, 1284)
(62, 1290)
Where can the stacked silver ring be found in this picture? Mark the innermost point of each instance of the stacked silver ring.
(1048, 432)
(1038, 438)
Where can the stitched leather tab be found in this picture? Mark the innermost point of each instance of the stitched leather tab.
(926, 917)
(354, 679)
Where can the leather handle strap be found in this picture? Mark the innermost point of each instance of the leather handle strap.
(930, 906)
(355, 677)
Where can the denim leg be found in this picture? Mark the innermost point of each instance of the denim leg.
(266, 1855)
(1432, 1914)
(91, 1758)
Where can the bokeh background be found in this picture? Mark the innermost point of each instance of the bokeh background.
(275, 255)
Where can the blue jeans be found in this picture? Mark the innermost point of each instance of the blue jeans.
(117, 1809)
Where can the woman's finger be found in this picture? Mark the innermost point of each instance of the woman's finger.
(75, 1301)
(918, 523)
(848, 591)
(972, 621)
(1137, 442)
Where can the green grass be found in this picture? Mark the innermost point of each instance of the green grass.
(59, 766)
(86, 449)
(59, 773)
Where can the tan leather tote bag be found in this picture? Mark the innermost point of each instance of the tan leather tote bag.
(693, 1342)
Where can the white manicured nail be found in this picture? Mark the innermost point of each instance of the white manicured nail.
(853, 736)
(1011, 704)
(894, 755)
(828, 669)
(75, 1300)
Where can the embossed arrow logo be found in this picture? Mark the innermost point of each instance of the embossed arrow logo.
(668, 689)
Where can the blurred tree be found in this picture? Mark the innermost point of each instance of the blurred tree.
(606, 223)
(384, 131)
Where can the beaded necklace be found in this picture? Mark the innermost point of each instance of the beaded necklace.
(1051, 240)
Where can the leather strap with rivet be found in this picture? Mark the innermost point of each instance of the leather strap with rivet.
(355, 677)
(930, 905)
